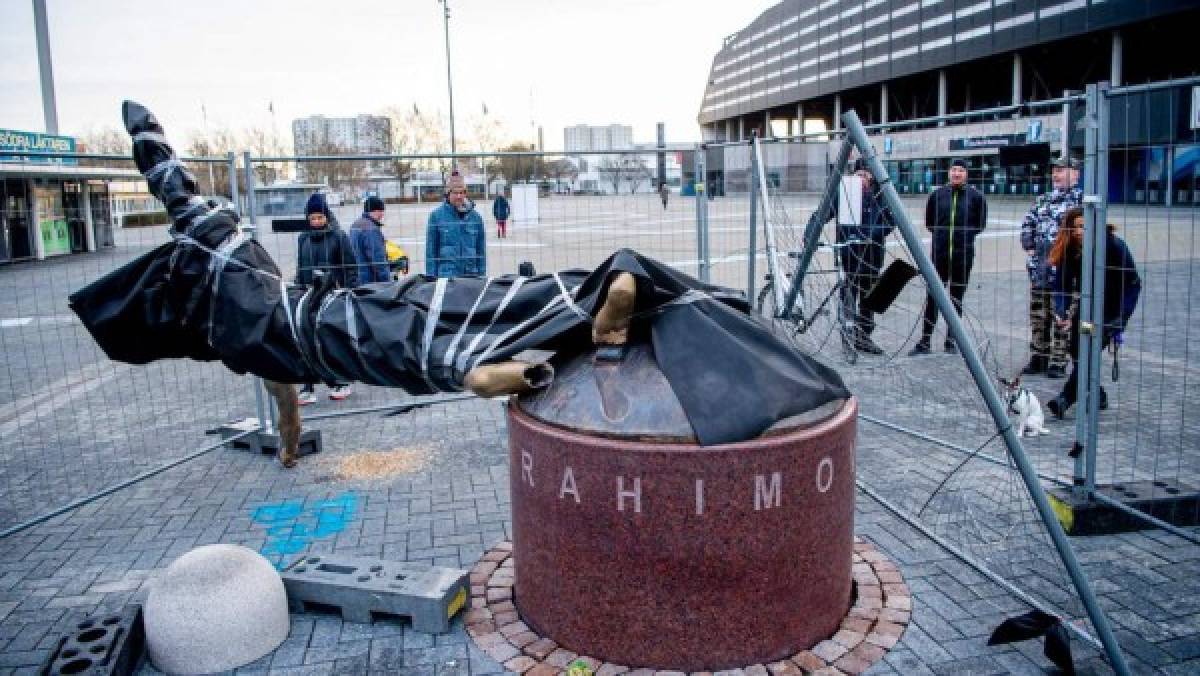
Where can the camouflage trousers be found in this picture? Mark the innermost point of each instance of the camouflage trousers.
(1046, 339)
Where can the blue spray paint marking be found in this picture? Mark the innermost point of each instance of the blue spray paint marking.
(291, 526)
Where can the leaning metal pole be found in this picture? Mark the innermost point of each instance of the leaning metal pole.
(752, 246)
(264, 410)
(858, 136)
(812, 231)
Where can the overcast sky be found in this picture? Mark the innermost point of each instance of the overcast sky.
(552, 63)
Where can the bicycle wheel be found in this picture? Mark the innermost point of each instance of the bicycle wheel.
(814, 316)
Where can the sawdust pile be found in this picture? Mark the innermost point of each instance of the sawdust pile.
(374, 465)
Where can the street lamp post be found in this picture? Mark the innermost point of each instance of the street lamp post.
(449, 83)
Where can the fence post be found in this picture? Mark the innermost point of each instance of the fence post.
(262, 405)
(752, 250)
(1091, 296)
(701, 213)
(856, 134)
(1096, 202)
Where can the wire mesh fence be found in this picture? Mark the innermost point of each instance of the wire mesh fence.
(72, 421)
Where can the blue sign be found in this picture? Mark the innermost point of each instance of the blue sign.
(1035, 131)
(887, 145)
(27, 141)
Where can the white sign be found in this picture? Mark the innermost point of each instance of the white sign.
(850, 201)
(524, 203)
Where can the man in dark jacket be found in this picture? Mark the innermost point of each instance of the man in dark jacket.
(500, 212)
(325, 247)
(366, 238)
(955, 214)
(862, 259)
(455, 241)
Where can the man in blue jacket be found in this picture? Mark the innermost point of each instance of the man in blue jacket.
(955, 214)
(455, 244)
(366, 238)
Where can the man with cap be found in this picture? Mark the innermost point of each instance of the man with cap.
(324, 248)
(1047, 341)
(455, 243)
(862, 259)
(955, 214)
(370, 250)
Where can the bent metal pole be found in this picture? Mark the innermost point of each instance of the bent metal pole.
(996, 407)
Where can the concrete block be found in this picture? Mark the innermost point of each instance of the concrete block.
(106, 643)
(267, 443)
(362, 587)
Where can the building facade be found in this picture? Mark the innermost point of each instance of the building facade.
(801, 63)
(359, 135)
(52, 206)
(584, 138)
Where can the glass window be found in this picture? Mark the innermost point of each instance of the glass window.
(1185, 175)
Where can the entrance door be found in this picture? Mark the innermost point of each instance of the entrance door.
(76, 221)
(18, 219)
(99, 204)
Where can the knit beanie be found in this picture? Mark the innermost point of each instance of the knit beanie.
(317, 205)
(455, 182)
(373, 203)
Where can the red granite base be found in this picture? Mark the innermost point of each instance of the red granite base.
(881, 611)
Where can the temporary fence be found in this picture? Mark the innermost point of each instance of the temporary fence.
(734, 213)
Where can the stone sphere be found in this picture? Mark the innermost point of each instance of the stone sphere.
(215, 608)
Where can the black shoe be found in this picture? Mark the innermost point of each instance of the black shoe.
(1103, 400)
(867, 346)
(1057, 406)
(1035, 366)
(920, 349)
(1055, 371)
(950, 347)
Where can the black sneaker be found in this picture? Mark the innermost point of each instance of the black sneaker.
(950, 347)
(920, 349)
(1057, 406)
(1055, 371)
(1035, 366)
(1103, 400)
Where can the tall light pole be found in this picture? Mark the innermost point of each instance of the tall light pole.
(42, 30)
(449, 84)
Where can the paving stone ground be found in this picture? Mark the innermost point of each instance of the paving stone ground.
(72, 422)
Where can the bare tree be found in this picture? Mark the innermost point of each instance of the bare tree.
(262, 143)
(635, 170)
(560, 170)
(519, 168)
(105, 141)
(611, 171)
(337, 174)
(213, 177)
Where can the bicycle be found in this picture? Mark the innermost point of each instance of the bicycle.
(810, 323)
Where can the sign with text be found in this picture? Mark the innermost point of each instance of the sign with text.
(993, 141)
(17, 141)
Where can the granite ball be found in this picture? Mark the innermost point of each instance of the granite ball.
(217, 607)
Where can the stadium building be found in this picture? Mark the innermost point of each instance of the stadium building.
(801, 63)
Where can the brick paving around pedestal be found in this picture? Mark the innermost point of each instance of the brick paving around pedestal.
(874, 624)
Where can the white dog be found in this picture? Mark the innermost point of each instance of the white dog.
(1025, 405)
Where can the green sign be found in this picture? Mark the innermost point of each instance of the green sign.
(28, 141)
(55, 237)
